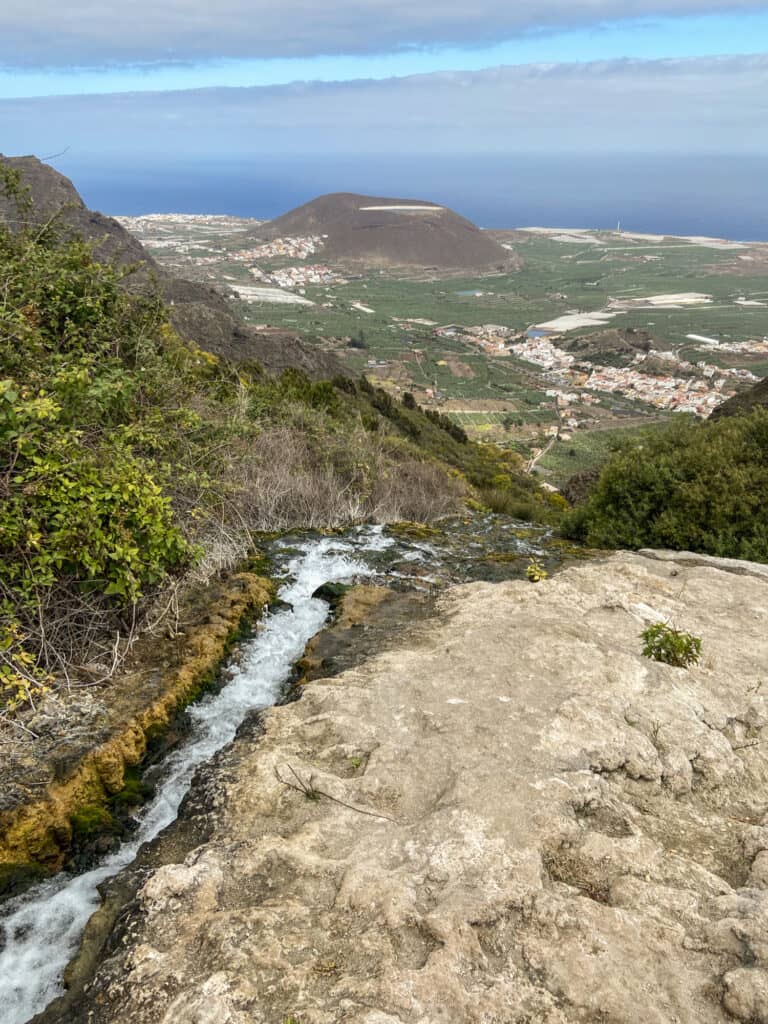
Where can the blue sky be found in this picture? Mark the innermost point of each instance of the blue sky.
(351, 86)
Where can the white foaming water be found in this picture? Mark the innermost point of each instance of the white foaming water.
(41, 930)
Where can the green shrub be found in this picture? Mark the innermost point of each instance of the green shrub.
(89, 428)
(91, 516)
(83, 364)
(695, 486)
(671, 646)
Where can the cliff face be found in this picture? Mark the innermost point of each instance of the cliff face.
(512, 816)
(200, 314)
(54, 196)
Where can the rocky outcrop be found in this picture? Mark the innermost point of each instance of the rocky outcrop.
(744, 402)
(512, 816)
(578, 487)
(199, 313)
(367, 620)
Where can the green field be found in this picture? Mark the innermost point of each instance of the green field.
(587, 279)
(556, 278)
(479, 419)
(585, 451)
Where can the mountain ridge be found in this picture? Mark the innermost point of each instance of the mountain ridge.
(199, 313)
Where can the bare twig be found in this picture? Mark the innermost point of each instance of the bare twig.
(308, 789)
(15, 724)
(53, 156)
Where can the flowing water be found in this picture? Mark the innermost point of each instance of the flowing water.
(40, 931)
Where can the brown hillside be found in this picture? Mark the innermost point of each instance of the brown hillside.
(199, 313)
(744, 402)
(384, 232)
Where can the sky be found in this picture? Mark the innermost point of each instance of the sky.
(583, 108)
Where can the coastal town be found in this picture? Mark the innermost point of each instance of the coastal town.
(570, 385)
(285, 248)
(683, 386)
(313, 274)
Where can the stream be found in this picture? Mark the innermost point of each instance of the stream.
(41, 930)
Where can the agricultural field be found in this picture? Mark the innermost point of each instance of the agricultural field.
(556, 277)
(586, 451)
(423, 333)
(550, 284)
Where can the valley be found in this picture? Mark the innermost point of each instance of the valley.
(584, 336)
(384, 512)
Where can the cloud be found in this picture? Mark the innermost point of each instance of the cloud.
(95, 33)
(693, 106)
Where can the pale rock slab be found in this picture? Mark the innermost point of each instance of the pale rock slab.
(517, 820)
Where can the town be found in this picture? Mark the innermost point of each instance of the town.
(699, 389)
(299, 277)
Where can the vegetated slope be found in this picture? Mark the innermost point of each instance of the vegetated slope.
(386, 232)
(612, 345)
(200, 314)
(694, 486)
(744, 402)
(129, 457)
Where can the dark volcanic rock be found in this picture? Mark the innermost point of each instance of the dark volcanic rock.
(393, 232)
(55, 196)
(199, 313)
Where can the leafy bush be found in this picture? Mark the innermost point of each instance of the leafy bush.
(695, 486)
(83, 513)
(22, 682)
(91, 515)
(671, 646)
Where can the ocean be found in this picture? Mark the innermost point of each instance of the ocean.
(723, 196)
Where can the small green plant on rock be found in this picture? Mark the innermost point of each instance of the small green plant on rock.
(536, 571)
(671, 646)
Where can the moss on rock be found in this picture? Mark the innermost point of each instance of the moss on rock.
(77, 801)
(412, 531)
(15, 877)
(90, 821)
